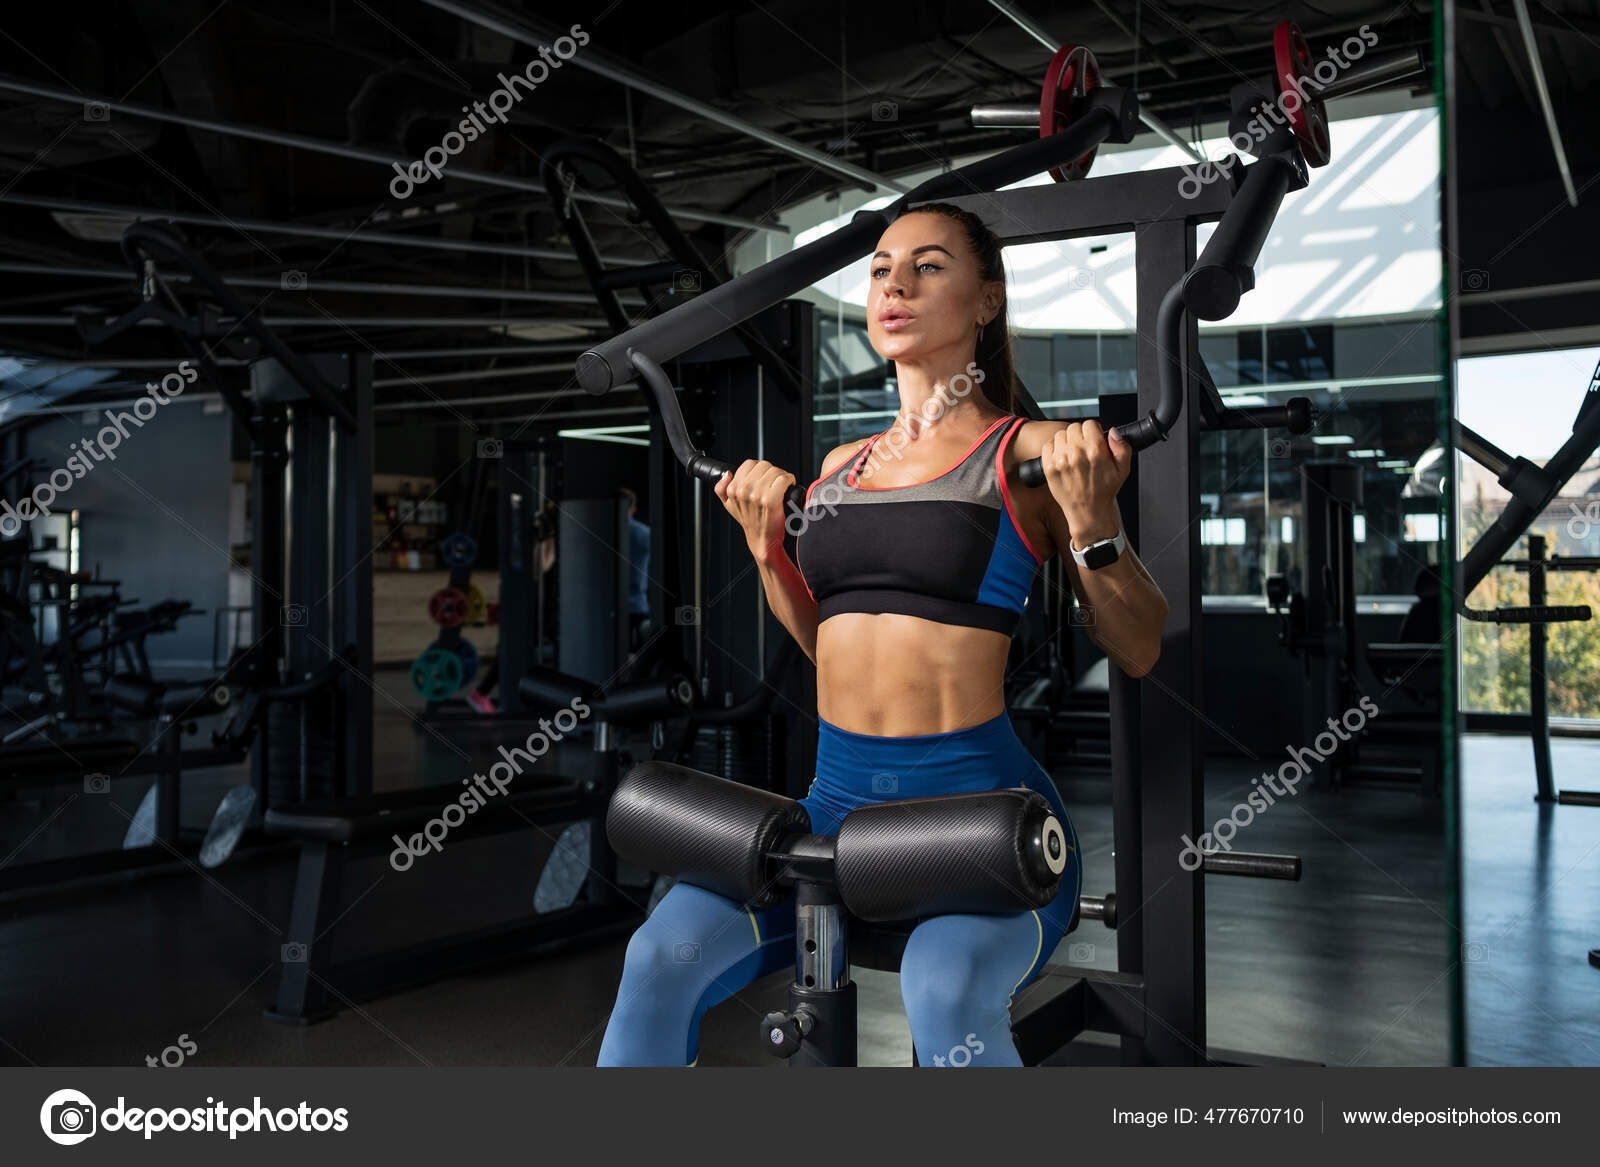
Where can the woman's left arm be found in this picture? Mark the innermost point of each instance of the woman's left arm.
(1085, 468)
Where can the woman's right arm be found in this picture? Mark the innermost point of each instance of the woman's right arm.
(753, 495)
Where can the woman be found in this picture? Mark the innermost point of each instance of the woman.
(913, 565)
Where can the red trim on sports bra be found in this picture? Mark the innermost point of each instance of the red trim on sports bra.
(1005, 491)
(850, 479)
(822, 478)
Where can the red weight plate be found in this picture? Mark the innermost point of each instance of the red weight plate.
(1072, 75)
(448, 607)
(1309, 120)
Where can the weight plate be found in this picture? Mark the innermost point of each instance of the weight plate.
(1309, 118)
(436, 674)
(565, 872)
(1073, 74)
(458, 550)
(477, 607)
(142, 826)
(227, 824)
(448, 607)
(469, 659)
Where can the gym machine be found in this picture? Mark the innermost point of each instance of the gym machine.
(294, 711)
(1157, 774)
(1320, 625)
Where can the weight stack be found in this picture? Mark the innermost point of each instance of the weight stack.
(284, 780)
(749, 752)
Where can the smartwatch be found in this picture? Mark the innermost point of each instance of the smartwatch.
(1101, 554)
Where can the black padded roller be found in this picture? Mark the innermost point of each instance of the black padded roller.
(996, 851)
(705, 830)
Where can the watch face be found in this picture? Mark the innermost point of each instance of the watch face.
(1101, 555)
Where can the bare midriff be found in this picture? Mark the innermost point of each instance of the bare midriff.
(890, 675)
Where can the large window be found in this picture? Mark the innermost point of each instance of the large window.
(1344, 313)
(1525, 404)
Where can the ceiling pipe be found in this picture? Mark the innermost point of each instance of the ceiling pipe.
(310, 283)
(1526, 25)
(515, 30)
(388, 358)
(340, 234)
(501, 399)
(475, 375)
(331, 321)
(340, 150)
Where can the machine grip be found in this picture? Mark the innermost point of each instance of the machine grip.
(705, 830)
(993, 851)
(1031, 472)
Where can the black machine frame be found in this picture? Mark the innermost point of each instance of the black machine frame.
(1157, 776)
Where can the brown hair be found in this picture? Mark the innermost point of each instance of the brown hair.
(994, 341)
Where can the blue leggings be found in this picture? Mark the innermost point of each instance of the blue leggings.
(959, 972)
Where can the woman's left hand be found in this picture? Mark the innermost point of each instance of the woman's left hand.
(1085, 467)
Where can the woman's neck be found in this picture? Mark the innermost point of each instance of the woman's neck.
(941, 397)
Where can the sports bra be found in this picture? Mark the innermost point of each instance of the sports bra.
(947, 549)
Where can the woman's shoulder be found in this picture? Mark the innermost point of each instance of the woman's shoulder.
(1031, 437)
(837, 456)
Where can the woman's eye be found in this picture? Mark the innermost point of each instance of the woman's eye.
(929, 267)
(879, 272)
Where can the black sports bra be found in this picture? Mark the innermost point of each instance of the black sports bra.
(947, 549)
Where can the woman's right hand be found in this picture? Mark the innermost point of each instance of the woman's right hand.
(753, 494)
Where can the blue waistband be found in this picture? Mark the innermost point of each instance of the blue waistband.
(980, 757)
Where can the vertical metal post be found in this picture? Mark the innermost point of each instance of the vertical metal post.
(1171, 909)
(350, 548)
(1538, 690)
(519, 573)
(1123, 695)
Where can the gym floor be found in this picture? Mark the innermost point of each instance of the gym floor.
(1350, 966)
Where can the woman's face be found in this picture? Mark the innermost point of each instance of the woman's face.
(926, 295)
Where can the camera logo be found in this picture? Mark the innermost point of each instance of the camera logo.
(1474, 279)
(686, 616)
(886, 111)
(886, 784)
(1082, 277)
(96, 783)
(293, 281)
(686, 952)
(491, 448)
(1279, 448)
(1082, 615)
(293, 953)
(294, 615)
(67, 1117)
(1474, 952)
(686, 280)
(96, 111)
(1081, 953)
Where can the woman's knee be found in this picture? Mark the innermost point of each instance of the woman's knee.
(956, 963)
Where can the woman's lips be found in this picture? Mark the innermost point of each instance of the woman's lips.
(895, 321)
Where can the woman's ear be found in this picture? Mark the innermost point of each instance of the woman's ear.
(993, 298)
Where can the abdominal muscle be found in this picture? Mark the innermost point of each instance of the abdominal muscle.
(890, 675)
